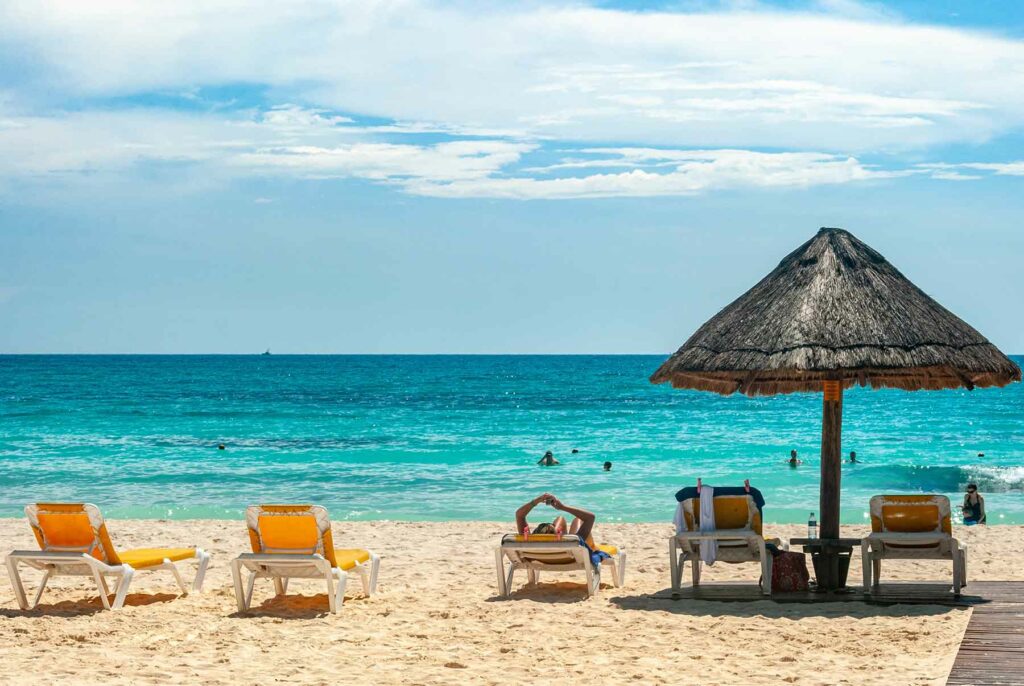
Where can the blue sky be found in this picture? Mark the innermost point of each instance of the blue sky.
(411, 176)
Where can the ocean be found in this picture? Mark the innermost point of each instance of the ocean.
(458, 437)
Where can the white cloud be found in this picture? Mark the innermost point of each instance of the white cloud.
(842, 77)
(694, 171)
(1000, 168)
(455, 161)
(952, 171)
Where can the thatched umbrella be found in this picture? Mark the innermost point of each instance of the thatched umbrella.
(834, 313)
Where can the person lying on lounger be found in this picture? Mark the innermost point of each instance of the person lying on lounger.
(582, 524)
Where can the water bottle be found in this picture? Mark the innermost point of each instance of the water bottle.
(812, 527)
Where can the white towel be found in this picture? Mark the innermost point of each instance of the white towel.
(708, 549)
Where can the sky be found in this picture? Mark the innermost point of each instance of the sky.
(407, 176)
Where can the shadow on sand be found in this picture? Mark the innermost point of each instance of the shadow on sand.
(90, 606)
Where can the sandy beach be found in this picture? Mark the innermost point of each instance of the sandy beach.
(437, 620)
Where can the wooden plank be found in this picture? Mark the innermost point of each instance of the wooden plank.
(992, 650)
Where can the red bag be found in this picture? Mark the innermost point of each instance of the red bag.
(789, 572)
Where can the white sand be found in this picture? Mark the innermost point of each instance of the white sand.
(436, 619)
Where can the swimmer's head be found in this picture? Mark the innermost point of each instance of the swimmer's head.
(607, 466)
(972, 488)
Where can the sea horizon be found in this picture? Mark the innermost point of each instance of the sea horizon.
(443, 437)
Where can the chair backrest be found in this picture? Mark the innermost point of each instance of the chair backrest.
(731, 512)
(911, 514)
(72, 527)
(546, 552)
(290, 530)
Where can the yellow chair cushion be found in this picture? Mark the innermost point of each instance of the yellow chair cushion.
(140, 558)
(610, 549)
(347, 558)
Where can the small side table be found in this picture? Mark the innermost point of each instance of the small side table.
(831, 558)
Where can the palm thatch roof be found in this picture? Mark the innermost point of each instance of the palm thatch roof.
(835, 309)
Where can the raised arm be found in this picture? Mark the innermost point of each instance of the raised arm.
(586, 518)
(525, 510)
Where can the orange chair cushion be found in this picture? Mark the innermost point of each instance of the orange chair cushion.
(289, 532)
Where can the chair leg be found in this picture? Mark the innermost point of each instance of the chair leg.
(101, 587)
(339, 590)
(766, 568)
(695, 569)
(531, 576)
(122, 587)
(250, 589)
(177, 576)
(876, 566)
(675, 564)
(236, 575)
(621, 580)
(42, 587)
(766, 574)
(499, 563)
(508, 580)
(594, 579)
(19, 588)
(374, 571)
(865, 565)
(204, 562)
(331, 600)
(278, 586)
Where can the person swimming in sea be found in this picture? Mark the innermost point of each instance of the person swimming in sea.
(582, 524)
(853, 457)
(793, 462)
(607, 466)
(548, 460)
(974, 506)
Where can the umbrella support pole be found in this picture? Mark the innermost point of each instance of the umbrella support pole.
(831, 471)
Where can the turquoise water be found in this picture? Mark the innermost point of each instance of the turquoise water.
(457, 437)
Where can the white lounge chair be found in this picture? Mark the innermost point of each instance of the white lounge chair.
(73, 541)
(295, 542)
(538, 553)
(911, 527)
(737, 531)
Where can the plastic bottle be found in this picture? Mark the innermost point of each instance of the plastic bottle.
(526, 533)
(812, 527)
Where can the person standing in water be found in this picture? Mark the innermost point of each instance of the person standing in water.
(548, 460)
(974, 506)
(793, 462)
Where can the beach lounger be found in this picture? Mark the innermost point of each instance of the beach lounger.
(737, 532)
(911, 527)
(295, 542)
(73, 541)
(538, 553)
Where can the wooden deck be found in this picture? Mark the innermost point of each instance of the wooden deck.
(930, 593)
(992, 651)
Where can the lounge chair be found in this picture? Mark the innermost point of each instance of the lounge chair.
(911, 527)
(295, 542)
(737, 532)
(538, 553)
(73, 541)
